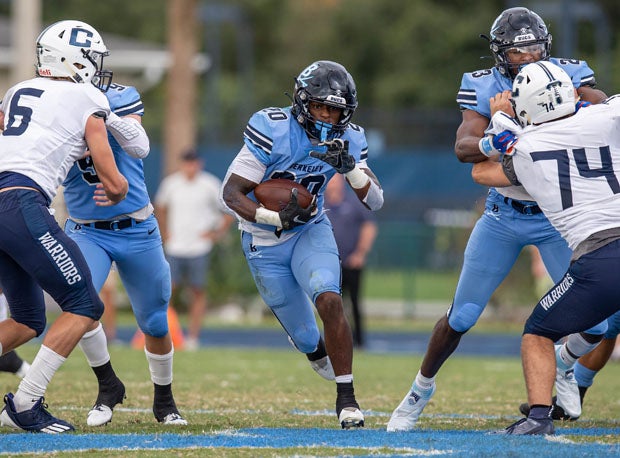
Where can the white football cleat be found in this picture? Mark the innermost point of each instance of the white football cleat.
(5, 420)
(406, 415)
(351, 417)
(324, 368)
(99, 415)
(174, 419)
(566, 387)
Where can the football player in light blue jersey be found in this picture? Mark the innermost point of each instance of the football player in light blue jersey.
(292, 253)
(128, 235)
(511, 219)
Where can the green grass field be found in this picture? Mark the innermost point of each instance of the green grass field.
(227, 389)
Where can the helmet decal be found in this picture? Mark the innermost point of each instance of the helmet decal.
(307, 74)
(79, 33)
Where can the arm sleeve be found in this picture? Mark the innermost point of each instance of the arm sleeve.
(129, 134)
(509, 170)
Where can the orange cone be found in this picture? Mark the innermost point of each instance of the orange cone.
(174, 328)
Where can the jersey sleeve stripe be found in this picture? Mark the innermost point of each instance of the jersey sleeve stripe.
(258, 139)
(467, 96)
(136, 107)
(364, 155)
(587, 80)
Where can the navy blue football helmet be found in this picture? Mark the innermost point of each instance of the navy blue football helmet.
(520, 29)
(328, 83)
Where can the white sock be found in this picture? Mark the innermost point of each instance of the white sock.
(348, 378)
(34, 384)
(160, 367)
(95, 346)
(424, 383)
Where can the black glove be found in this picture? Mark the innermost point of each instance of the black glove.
(337, 155)
(293, 215)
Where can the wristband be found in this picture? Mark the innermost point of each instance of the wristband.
(266, 216)
(486, 147)
(374, 197)
(357, 178)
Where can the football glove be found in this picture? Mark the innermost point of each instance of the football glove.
(502, 143)
(337, 155)
(293, 215)
(581, 104)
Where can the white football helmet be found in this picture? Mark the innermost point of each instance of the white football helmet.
(542, 92)
(75, 50)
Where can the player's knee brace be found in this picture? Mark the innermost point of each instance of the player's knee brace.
(153, 324)
(36, 323)
(462, 318)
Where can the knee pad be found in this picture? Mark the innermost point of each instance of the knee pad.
(36, 323)
(154, 324)
(462, 318)
(306, 339)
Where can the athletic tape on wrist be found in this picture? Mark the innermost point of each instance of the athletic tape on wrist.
(357, 178)
(266, 216)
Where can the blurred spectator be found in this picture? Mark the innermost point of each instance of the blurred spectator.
(191, 221)
(355, 230)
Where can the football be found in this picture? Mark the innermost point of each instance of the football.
(275, 194)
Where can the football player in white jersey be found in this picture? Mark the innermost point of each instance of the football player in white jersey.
(47, 123)
(567, 157)
(511, 219)
(292, 253)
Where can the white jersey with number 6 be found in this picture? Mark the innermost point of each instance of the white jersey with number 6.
(44, 122)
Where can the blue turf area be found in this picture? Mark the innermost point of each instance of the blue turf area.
(377, 442)
(410, 343)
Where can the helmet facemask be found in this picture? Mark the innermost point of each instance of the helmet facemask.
(102, 78)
